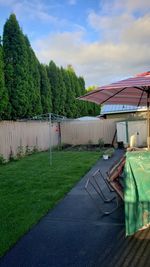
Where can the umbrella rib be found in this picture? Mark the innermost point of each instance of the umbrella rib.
(113, 95)
(140, 98)
(140, 88)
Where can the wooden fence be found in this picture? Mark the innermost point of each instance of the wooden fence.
(82, 132)
(16, 137)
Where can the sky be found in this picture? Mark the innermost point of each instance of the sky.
(104, 40)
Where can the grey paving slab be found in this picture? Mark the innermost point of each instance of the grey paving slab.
(75, 233)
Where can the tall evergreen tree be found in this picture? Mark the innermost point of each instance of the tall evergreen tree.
(3, 92)
(35, 106)
(33, 88)
(55, 88)
(45, 90)
(69, 94)
(93, 109)
(96, 109)
(82, 85)
(78, 90)
(83, 105)
(63, 93)
(77, 94)
(16, 68)
(74, 108)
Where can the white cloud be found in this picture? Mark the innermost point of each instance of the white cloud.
(116, 17)
(122, 49)
(33, 10)
(134, 5)
(109, 26)
(126, 6)
(98, 62)
(138, 32)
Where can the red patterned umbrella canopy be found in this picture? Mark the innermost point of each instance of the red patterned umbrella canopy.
(132, 91)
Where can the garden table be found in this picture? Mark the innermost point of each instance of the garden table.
(137, 191)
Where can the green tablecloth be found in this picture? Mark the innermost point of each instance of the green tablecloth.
(137, 191)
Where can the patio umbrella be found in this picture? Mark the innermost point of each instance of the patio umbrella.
(133, 91)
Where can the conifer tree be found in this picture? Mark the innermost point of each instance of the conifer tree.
(63, 92)
(77, 94)
(31, 88)
(45, 90)
(73, 91)
(3, 92)
(35, 106)
(15, 68)
(55, 89)
(69, 94)
(83, 105)
(93, 109)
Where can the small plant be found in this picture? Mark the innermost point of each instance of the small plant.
(12, 157)
(101, 142)
(61, 146)
(54, 148)
(20, 152)
(90, 143)
(109, 152)
(28, 151)
(35, 149)
(2, 160)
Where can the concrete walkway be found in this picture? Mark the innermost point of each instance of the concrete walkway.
(75, 233)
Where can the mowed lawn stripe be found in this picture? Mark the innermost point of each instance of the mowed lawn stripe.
(30, 187)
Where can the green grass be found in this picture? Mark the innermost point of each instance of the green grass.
(30, 187)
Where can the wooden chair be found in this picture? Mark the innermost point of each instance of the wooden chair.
(114, 177)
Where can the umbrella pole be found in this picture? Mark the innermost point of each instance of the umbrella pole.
(148, 124)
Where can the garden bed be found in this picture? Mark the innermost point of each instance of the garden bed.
(88, 147)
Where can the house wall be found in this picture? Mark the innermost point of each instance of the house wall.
(26, 135)
(127, 116)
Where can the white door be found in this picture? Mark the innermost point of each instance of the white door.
(137, 130)
(122, 132)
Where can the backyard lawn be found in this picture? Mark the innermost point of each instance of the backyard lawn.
(30, 187)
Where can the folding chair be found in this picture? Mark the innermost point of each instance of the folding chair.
(92, 186)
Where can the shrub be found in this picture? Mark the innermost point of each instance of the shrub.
(28, 150)
(2, 160)
(109, 152)
(90, 143)
(20, 152)
(101, 142)
(35, 149)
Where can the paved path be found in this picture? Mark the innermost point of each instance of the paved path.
(76, 234)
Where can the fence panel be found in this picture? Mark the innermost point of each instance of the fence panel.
(37, 134)
(78, 132)
(26, 135)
